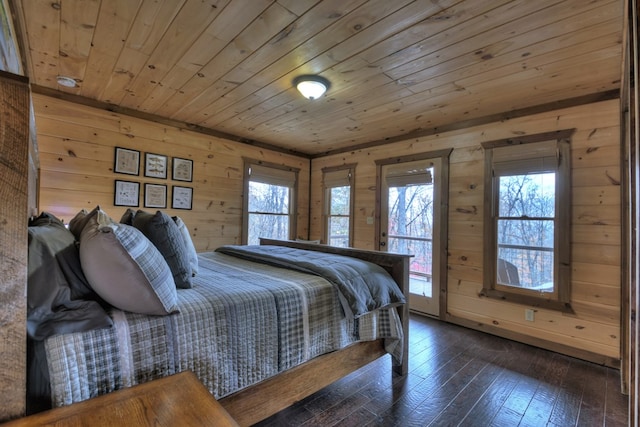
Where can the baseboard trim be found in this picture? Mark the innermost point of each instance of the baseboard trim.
(536, 342)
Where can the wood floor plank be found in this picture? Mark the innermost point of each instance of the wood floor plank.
(467, 398)
(488, 405)
(358, 418)
(486, 408)
(616, 411)
(594, 396)
(506, 417)
(460, 377)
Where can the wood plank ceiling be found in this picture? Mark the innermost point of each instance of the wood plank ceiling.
(397, 68)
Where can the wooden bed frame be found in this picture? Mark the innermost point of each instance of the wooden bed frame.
(268, 397)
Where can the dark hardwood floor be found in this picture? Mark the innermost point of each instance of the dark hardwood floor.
(460, 377)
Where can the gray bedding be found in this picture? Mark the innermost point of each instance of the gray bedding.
(362, 286)
(241, 323)
(59, 298)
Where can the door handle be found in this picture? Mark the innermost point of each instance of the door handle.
(383, 244)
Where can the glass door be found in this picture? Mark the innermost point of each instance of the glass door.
(409, 224)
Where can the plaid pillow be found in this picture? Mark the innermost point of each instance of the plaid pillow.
(125, 268)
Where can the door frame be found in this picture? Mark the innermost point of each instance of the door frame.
(443, 192)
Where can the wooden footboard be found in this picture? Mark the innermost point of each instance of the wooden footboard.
(268, 397)
(264, 399)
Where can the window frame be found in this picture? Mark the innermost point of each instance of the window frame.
(326, 202)
(293, 195)
(560, 299)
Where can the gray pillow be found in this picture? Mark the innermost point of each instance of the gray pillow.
(78, 222)
(127, 217)
(165, 235)
(125, 268)
(59, 298)
(191, 249)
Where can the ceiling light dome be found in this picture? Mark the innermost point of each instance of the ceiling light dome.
(310, 86)
(66, 81)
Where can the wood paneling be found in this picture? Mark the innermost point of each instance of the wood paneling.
(14, 172)
(596, 226)
(77, 146)
(630, 135)
(396, 68)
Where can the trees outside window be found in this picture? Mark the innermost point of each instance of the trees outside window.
(409, 218)
(338, 183)
(410, 227)
(528, 220)
(269, 209)
(268, 212)
(526, 230)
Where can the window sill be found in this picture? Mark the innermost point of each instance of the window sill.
(529, 300)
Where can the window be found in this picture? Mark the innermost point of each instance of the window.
(270, 205)
(528, 220)
(338, 205)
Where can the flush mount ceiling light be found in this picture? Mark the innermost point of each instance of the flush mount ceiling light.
(66, 81)
(310, 86)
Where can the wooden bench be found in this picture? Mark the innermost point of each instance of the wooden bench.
(176, 400)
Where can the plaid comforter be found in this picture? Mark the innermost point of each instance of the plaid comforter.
(241, 323)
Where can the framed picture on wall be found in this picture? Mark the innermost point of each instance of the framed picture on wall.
(155, 196)
(182, 169)
(127, 161)
(155, 165)
(182, 197)
(127, 193)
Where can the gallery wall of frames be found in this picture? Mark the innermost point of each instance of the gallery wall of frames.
(155, 191)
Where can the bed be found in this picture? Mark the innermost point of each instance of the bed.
(261, 327)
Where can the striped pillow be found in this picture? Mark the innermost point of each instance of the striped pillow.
(125, 268)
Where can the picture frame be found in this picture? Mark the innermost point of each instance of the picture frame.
(182, 169)
(155, 196)
(155, 165)
(182, 197)
(126, 193)
(126, 161)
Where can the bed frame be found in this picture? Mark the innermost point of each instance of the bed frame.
(268, 397)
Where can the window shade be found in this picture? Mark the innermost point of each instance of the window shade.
(410, 173)
(272, 176)
(527, 158)
(338, 178)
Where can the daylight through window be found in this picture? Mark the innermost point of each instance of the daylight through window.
(269, 206)
(527, 255)
(338, 195)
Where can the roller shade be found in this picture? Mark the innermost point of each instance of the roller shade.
(528, 158)
(338, 178)
(272, 176)
(410, 173)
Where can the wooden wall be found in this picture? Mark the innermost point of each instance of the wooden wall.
(76, 149)
(14, 166)
(630, 97)
(594, 331)
(76, 146)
